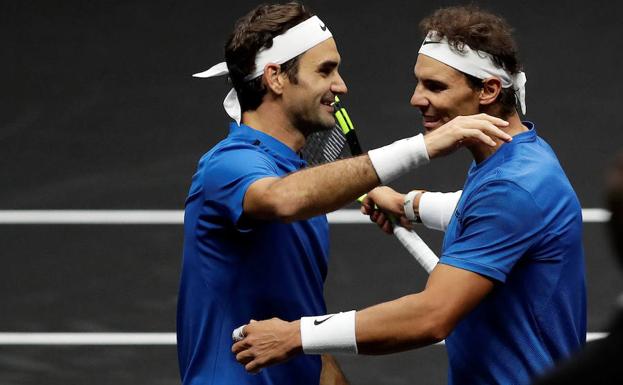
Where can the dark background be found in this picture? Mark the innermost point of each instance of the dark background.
(98, 111)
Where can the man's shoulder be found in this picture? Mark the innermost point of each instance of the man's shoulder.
(232, 151)
(533, 167)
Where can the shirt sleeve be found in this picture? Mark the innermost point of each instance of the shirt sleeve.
(228, 175)
(498, 224)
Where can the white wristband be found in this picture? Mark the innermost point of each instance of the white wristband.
(398, 158)
(330, 333)
(436, 208)
(407, 205)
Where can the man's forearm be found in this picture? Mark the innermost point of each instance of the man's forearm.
(328, 187)
(405, 323)
(322, 189)
(331, 373)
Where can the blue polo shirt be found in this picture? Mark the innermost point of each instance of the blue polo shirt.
(236, 269)
(518, 223)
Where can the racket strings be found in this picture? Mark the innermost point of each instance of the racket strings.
(324, 146)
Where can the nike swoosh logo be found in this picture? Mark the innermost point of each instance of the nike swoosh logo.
(316, 322)
(323, 27)
(431, 42)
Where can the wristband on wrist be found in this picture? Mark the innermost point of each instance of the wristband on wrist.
(398, 158)
(436, 209)
(408, 206)
(330, 333)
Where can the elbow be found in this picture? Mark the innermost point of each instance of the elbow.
(287, 214)
(439, 332)
(439, 325)
(282, 208)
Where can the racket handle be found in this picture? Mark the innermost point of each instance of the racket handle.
(416, 247)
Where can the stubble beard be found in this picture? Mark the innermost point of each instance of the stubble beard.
(307, 126)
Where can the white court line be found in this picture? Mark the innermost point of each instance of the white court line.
(132, 339)
(87, 339)
(176, 217)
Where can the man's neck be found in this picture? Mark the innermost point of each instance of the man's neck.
(482, 151)
(270, 119)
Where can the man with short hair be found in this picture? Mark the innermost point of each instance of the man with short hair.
(508, 294)
(255, 239)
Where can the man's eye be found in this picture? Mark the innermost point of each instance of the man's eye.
(436, 87)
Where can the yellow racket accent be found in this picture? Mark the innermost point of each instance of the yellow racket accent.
(342, 117)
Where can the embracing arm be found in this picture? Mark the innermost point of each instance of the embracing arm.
(424, 318)
(328, 187)
(312, 191)
(409, 322)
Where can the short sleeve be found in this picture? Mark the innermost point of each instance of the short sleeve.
(497, 225)
(229, 173)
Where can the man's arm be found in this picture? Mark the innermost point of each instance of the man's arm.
(331, 373)
(325, 188)
(435, 209)
(312, 191)
(409, 322)
(424, 318)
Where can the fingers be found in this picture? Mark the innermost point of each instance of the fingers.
(493, 131)
(495, 120)
(477, 135)
(250, 361)
(367, 209)
(240, 346)
(406, 223)
(468, 126)
(382, 220)
(246, 356)
(387, 227)
(465, 130)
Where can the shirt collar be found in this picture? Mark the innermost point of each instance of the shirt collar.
(523, 137)
(266, 142)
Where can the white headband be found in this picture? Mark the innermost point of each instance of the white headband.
(476, 63)
(292, 43)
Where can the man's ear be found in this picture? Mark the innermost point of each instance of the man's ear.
(491, 88)
(273, 78)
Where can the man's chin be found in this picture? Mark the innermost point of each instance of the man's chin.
(308, 128)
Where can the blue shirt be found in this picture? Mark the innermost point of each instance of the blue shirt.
(518, 223)
(236, 269)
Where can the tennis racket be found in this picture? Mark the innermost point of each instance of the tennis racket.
(327, 146)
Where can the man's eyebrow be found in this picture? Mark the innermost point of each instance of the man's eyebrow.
(433, 81)
(328, 65)
(430, 81)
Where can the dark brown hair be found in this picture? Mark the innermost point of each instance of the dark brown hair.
(482, 31)
(253, 32)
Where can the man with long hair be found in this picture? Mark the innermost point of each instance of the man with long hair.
(508, 294)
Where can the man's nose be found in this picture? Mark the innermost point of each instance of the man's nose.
(418, 100)
(339, 86)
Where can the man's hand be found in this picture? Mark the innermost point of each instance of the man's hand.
(382, 202)
(267, 343)
(465, 130)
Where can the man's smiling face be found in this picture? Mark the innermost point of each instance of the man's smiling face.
(442, 93)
